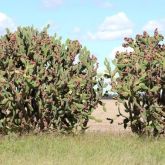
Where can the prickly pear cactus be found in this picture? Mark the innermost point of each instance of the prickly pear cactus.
(139, 81)
(45, 84)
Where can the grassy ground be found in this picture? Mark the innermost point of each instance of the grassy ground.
(87, 149)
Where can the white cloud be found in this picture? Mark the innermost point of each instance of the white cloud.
(153, 24)
(116, 22)
(110, 35)
(52, 3)
(6, 22)
(113, 27)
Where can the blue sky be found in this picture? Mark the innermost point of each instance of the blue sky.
(100, 25)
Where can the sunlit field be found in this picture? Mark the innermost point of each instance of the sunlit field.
(90, 148)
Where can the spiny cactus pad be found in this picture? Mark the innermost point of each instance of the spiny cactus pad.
(139, 80)
(45, 84)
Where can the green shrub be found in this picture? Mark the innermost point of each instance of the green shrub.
(139, 81)
(45, 84)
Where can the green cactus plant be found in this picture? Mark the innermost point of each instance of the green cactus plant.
(139, 81)
(42, 85)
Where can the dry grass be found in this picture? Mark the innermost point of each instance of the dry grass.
(88, 149)
(103, 144)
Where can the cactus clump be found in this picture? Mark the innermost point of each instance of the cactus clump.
(139, 81)
(45, 84)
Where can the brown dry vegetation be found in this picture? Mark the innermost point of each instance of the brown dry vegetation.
(104, 125)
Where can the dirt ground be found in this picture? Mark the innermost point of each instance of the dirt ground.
(105, 125)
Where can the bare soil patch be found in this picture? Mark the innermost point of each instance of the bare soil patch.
(104, 125)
